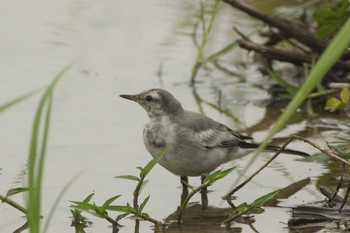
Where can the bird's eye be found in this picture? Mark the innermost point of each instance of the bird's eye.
(149, 98)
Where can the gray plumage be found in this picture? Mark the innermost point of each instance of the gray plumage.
(196, 143)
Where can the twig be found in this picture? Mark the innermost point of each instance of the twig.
(325, 151)
(13, 204)
(136, 205)
(275, 53)
(228, 196)
(345, 197)
(291, 29)
(136, 195)
(241, 34)
(285, 55)
(340, 182)
(22, 228)
(150, 219)
(293, 137)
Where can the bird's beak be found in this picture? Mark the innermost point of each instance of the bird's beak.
(130, 97)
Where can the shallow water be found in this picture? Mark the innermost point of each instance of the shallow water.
(123, 47)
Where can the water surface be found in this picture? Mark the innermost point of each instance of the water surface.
(124, 47)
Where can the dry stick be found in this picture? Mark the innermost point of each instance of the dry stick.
(241, 34)
(136, 195)
(345, 197)
(331, 153)
(293, 137)
(325, 151)
(340, 182)
(291, 29)
(275, 53)
(22, 228)
(286, 55)
(228, 196)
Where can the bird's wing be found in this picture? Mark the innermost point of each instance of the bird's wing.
(216, 137)
(207, 133)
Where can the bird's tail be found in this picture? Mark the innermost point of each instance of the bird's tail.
(270, 148)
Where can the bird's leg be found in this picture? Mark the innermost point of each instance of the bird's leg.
(184, 182)
(204, 196)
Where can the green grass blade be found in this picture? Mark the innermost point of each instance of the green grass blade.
(15, 101)
(33, 205)
(57, 201)
(37, 155)
(291, 89)
(206, 31)
(221, 52)
(41, 158)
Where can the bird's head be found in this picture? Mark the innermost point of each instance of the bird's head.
(157, 102)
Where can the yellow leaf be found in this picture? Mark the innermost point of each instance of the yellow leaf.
(333, 104)
(344, 95)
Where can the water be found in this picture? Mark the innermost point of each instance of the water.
(124, 47)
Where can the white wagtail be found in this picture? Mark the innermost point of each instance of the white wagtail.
(196, 144)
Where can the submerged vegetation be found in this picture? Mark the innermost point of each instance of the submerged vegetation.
(324, 59)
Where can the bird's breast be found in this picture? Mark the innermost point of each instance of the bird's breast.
(156, 136)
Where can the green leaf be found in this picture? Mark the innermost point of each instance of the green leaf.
(244, 207)
(333, 104)
(130, 208)
(238, 211)
(152, 163)
(217, 175)
(143, 204)
(331, 18)
(323, 15)
(83, 205)
(261, 200)
(325, 31)
(100, 210)
(14, 191)
(88, 198)
(110, 201)
(89, 208)
(128, 177)
(222, 174)
(119, 208)
(187, 184)
(344, 95)
(291, 89)
(119, 217)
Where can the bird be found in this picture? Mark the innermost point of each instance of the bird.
(196, 144)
